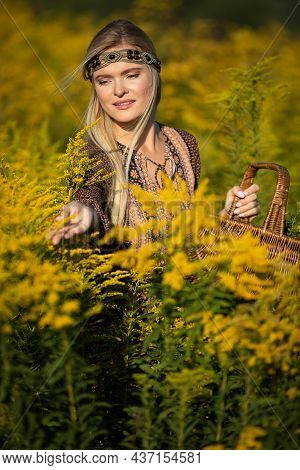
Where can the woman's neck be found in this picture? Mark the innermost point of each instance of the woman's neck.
(148, 142)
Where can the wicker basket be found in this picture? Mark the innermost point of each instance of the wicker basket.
(271, 233)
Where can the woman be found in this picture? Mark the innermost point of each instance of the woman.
(122, 66)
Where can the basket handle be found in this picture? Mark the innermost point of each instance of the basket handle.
(274, 220)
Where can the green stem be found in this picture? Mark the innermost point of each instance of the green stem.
(245, 401)
(69, 380)
(221, 406)
(182, 413)
(6, 369)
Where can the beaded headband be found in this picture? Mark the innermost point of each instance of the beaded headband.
(126, 55)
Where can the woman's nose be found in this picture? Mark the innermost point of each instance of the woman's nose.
(120, 88)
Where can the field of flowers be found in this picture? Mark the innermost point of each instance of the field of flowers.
(147, 349)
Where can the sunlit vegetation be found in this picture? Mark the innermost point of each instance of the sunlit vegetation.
(146, 348)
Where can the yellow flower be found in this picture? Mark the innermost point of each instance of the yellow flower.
(182, 264)
(173, 279)
(145, 261)
(252, 361)
(295, 336)
(228, 280)
(182, 267)
(6, 328)
(52, 298)
(94, 310)
(292, 393)
(61, 321)
(46, 319)
(21, 267)
(178, 323)
(70, 306)
(248, 438)
(245, 285)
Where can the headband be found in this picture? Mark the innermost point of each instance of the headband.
(125, 55)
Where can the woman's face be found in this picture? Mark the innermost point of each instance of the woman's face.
(123, 82)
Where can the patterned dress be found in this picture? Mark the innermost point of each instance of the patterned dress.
(181, 157)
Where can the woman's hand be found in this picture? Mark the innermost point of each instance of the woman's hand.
(82, 218)
(247, 206)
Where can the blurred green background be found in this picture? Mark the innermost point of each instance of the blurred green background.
(248, 12)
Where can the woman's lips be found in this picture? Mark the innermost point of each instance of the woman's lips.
(124, 105)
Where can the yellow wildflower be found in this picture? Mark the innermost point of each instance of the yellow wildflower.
(145, 260)
(252, 361)
(229, 280)
(52, 298)
(248, 438)
(182, 264)
(245, 285)
(6, 328)
(61, 321)
(292, 393)
(174, 279)
(295, 336)
(94, 310)
(178, 323)
(46, 319)
(70, 306)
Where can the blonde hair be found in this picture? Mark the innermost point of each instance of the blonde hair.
(115, 34)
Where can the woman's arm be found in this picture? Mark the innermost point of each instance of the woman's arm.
(87, 212)
(192, 145)
(94, 195)
(195, 159)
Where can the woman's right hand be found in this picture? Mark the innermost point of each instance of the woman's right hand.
(82, 219)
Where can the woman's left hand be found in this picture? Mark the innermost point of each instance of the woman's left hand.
(247, 206)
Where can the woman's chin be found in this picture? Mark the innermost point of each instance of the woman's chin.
(126, 118)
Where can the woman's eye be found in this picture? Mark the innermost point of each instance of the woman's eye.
(128, 76)
(134, 75)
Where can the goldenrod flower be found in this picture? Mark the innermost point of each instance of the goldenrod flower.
(249, 438)
(292, 393)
